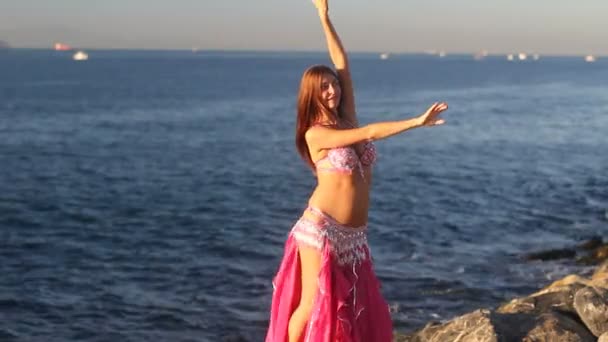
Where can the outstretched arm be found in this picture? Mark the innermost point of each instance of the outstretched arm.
(340, 60)
(320, 137)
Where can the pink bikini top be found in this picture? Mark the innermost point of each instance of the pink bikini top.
(345, 159)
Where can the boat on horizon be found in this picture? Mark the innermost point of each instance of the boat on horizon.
(589, 58)
(80, 56)
(480, 55)
(62, 47)
(385, 55)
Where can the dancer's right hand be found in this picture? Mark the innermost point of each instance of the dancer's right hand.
(430, 117)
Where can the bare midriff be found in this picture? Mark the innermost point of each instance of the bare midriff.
(343, 196)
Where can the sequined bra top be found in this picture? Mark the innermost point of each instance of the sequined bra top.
(345, 159)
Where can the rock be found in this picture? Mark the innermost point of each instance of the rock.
(599, 278)
(472, 327)
(591, 304)
(601, 253)
(591, 244)
(603, 268)
(589, 252)
(595, 256)
(559, 299)
(572, 309)
(552, 254)
(601, 274)
(557, 327)
(486, 326)
(560, 285)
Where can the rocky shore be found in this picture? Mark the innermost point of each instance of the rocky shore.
(572, 309)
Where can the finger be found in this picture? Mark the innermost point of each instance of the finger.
(436, 122)
(439, 111)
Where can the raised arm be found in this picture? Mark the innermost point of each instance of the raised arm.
(320, 137)
(340, 60)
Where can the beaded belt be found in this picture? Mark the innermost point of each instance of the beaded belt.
(349, 245)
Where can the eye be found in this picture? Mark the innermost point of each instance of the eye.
(324, 86)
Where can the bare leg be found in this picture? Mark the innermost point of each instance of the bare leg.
(310, 260)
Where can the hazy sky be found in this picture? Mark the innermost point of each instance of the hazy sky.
(499, 26)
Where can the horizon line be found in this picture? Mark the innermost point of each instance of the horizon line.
(429, 52)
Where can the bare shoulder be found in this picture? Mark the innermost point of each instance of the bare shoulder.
(312, 136)
(317, 131)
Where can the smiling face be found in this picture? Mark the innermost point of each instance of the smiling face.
(330, 91)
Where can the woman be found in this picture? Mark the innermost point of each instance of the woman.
(326, 289)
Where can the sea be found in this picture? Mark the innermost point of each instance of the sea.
(147, 195)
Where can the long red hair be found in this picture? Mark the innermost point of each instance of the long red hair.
(310, 107)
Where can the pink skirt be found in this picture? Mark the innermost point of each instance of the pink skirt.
(348, 305)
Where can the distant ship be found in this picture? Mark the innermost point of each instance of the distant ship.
(589, 58)
(522, 56)
(480, 55)
(62, 47)
(440, 53)
(384, 55)
(510, 57)
(80, 56)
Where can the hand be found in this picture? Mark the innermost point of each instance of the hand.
(321, 5)
(430, 117)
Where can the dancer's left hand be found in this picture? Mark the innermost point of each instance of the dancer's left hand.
(430, 117)
(321, 5)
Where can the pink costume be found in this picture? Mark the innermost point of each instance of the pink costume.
(348, 305)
